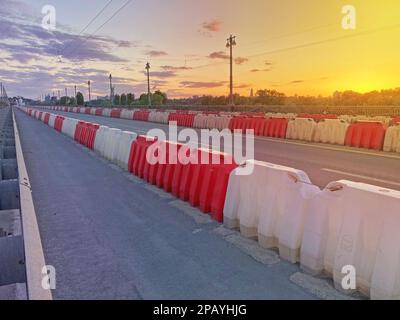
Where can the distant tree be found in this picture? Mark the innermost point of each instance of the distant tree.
(123, 99)
(79, 98)
(143, 99)
(64, 101)
(117, 100)
(130, 98)
(163, 96)
(72, 101)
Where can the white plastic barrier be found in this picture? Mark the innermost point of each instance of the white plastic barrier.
(392, 139)
(75, 109)
(270, 204)
(281, 115)
(100, 140)
(383, 119)
(52, 119)
(356, 225)
(301, 129)
(199, 121)
(69, 126)
(331, 131)
(93, 111)
(112, 137)
(159, 116)
(106, 112)
(127, 114)
(123, 148)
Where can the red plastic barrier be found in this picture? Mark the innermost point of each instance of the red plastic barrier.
(248, 123)
(141, 115)
(137, 157)
(99, 111)
(182, 119)
(46, 118)
(71, 109)
(40, 115)
(368, 135)
(58, 123)
(202, 184)
(396, 120)
(85, 133)
(275, 127)
(30, 112)
(87, 110)
(317, 117)
(115, 113)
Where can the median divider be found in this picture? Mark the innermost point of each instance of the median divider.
(392, 139)
(369, 135)
(355, 224)
(331, 131)
(301, 129)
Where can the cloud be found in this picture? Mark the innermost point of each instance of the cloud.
(242, 86)
(241, 60)
(260, 70)
(174, 68)
(162, 74)
(268, 63)
(218, 55)
(155, 53)
(213, 25)
(296, 81)
(199, 84)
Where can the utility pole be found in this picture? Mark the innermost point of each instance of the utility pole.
(66, 92)
(89, 90)
(76, 98)
(59, 97)
(111, 90)
(148, 83)
(231, 42)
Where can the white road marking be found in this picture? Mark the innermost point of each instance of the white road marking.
(361, 176)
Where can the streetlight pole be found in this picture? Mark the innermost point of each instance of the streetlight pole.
(111, 91)
(148, 83)
(231, 42)
(76, 98)
(89, 90)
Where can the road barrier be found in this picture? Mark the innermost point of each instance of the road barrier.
(115, 113)
(275, 127)
(368, 135)
(270, 205)
(317, 117)
(127, 114)
(159, 116)
(301, 129)
(355, 224)
(58, 123)
(331, 131)
(182, 119)
(392, 139)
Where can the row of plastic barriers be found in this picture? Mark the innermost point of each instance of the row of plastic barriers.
(345, 225)
(352, 131)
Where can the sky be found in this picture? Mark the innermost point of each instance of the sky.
(292, 46)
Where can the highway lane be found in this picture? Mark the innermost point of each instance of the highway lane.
(322, 162)
(110, 236)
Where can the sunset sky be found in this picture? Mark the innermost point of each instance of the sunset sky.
(293, 46)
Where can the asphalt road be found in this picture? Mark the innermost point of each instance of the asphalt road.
(322, 162)
(109, 235)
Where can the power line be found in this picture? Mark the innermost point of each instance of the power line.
(310, 44)
(107, 21)
(89, 24)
